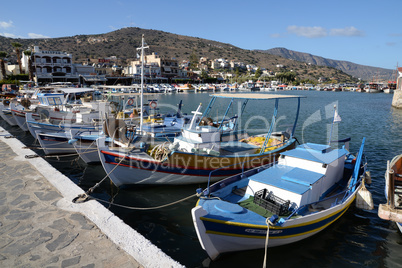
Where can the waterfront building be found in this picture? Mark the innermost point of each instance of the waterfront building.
(155, 67)
(51, 66)
(57, 66)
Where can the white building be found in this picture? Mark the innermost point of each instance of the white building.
(51, 66)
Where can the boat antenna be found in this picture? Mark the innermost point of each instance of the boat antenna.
(142, 82)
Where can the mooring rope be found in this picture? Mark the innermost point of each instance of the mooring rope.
(85, 196)
(149, 208)
(268, 222)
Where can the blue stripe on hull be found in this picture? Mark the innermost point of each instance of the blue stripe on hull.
(259, 231)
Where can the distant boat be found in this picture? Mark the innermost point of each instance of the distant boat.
(185, 88)
(373, 88)
(309, 188)
(392, 210)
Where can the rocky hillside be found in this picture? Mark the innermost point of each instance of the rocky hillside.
(123, 43)
(356, 70)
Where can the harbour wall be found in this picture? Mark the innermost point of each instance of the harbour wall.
(397, 99)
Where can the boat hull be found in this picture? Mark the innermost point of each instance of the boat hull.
(220, 236)
(178, 168)
(84, 143)
(391, 210)
(19, 117)
(43, 126)
(6, 114)
(55, 143)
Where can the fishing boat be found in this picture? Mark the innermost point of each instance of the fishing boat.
(84, 140)
(392, 209)
(58, 105)
(202, 147)
(305, 191)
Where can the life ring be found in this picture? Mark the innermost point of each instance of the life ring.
(130, 101)
(153, 104)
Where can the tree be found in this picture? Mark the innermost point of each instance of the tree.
(258, 73)
(28, 53)
(204, 74)
(3, 55)
(193, 60)
(17, 46)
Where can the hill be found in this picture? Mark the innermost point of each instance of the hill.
(356, 70)
(123, 43)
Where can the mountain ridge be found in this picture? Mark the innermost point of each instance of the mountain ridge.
(357, 70)
(122, 43)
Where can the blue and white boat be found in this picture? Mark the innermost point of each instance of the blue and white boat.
(49, 126)
(305, 191)
(392, 210)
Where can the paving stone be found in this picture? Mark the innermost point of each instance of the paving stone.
(21, 230)
(61, 225)
(19, 215)
(15, 182)
(7, 227)
(85, 225)
(53, 259)
(26, 244)
(29, 205)
(19, 199)
(48, 196)
(70, 262)
(18, 188)
(5, 242)
(4, 209)
(61, 242)
(34, 258)
(3, 202)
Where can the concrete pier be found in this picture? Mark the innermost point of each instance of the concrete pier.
(397, 99)
(40, 226)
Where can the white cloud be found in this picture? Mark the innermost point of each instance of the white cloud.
(276, 35)
(37, 36)
(9, 35)
(309, 32)
(347, 31)
(5, 25)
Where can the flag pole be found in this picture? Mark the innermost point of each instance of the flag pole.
(332, 125)
(142, 82)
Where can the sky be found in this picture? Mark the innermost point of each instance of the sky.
(366, 32)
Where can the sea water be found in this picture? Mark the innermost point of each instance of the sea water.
(359, 238)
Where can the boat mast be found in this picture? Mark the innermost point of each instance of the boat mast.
(142, 82)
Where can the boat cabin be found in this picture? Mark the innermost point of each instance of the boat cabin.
(302, 175)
